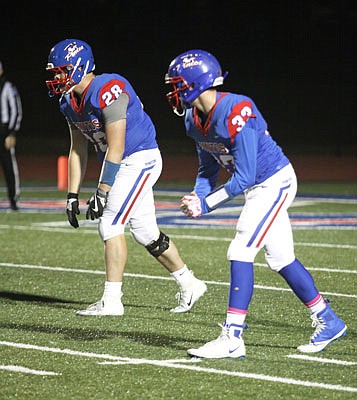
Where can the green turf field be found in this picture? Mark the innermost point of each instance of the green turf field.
(48, 270)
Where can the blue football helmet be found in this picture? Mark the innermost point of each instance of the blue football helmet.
(69, 61)
(190, 74)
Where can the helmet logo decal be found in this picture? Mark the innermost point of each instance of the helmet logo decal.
(72, 50)
(188, 62)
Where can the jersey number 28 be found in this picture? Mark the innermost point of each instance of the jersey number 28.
(110, 92)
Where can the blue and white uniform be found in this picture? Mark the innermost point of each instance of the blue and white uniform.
(234, 135)
(130, 199)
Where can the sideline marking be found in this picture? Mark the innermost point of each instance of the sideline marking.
(322, 360)
(16, 368)
(166, 278)
(163, 363)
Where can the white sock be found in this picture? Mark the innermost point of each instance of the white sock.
(236, 319)
(183, 276)
(317, 305)
(113, 290)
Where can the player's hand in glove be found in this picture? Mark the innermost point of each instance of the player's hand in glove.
(72, 209)
(96, 204)
(191, 205)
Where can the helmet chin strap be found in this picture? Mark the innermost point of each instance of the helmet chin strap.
(178, 113)
(184, 107)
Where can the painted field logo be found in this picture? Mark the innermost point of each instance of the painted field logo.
(169, 214)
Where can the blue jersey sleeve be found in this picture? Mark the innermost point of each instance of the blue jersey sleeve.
(207, 173)
(244, 152)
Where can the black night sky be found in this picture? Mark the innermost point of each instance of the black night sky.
(296, 59)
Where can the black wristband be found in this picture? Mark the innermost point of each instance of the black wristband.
(72, 196)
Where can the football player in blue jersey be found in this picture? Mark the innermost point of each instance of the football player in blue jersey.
(230, 132)
(105, 111)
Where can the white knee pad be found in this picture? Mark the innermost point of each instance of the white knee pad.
(279, 249)
(107, 230)
(144, 233)
(238, 251)
(277, 262)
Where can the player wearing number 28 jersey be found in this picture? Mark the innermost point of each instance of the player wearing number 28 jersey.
(229, 131)
(106, 111)
(90, 120)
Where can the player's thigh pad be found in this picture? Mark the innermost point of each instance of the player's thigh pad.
(263, 205)
(279, 243)
(135, 179)
(143, 225)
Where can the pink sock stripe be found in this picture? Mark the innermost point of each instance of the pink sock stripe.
(314, 301)
(231, 310)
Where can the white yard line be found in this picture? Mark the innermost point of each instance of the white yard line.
(24, 370)
(217, 239)
(60, 269)
(171, 364)
(342, 271)
(88, 227)
(140, 361)
(321, 360)
(96, 272)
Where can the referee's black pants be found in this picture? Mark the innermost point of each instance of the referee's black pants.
(11, 173)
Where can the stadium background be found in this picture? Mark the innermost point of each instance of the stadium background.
(297, 60)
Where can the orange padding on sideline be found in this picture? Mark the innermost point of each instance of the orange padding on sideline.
(62, 173)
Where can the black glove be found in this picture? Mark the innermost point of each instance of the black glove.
(72, 209)
(96, 204)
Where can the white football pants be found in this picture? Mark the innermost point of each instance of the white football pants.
(264, 221)
(131, 199)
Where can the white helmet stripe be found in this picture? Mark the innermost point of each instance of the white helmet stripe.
(86, 68)
(77, 65)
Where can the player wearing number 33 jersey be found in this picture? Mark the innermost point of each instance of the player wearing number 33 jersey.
(249, 154)
(105, 110)
(229, 131)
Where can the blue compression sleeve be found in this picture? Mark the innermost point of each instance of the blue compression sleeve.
(242, 284)
(300, 281)
(109, 171)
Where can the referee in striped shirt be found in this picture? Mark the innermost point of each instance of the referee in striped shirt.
(10, 122)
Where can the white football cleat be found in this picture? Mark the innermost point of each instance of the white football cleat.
(188, 297)
(229, 344)
(103, 307)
